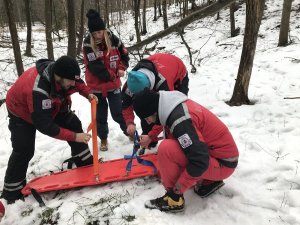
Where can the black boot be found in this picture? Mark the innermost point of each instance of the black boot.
(207, 188)
(170, 202)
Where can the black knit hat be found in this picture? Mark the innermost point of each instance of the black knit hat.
(66, 67)
(145, 103)
(95, 23)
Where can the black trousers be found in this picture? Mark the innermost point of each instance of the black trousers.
(23, 145)
(114, 102)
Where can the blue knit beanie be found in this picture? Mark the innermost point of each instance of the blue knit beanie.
(137, 81)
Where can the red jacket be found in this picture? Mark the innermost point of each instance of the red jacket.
(101, 67)
(169, 71)
(200, 133)
(36, 98)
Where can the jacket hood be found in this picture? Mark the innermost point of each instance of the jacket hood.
(42, 64)
(168, 100)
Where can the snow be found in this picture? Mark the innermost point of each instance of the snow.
(265, 187)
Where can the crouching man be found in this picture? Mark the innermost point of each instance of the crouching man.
(199, 150)
(40, 100)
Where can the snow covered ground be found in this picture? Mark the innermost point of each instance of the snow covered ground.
(265, 189)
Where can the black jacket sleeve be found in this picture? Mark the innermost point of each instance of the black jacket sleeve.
(96, 67)
(41, 115)
(127, 97)
(184, 131)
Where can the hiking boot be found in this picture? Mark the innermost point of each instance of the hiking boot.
(166, 203)
(11, 197)
(207, 187)
(103, 145)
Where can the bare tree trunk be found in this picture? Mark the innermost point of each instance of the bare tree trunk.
(165, 16)
(144, 30)
(9, 8)
(71, 29)
(232, 19)
(159, 8)
(106, 13)
(285, 23)
(81, 29)
(48, 30)
(155, 10)
(136, 20)
(254, 12)
(29, 28)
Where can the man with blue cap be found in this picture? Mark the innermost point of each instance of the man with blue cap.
(158, 72)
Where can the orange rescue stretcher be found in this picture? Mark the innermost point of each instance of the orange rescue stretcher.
(96, 174)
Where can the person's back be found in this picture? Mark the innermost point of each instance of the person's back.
(18, 95)
(213, 131)
(170, 67)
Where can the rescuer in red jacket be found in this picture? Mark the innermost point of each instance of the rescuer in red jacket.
(40, 100)
(158, 72)
(199, 150)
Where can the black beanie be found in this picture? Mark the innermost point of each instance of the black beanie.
(95, 23)
(145, 103)
(66, 67)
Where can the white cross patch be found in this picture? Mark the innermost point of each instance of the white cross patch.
(185, 141)
(46, 104)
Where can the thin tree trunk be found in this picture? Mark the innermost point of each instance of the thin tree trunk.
(48, 30)
(144, 30)
(165, 16)
(81, 29)
(106, 13)
(155, 10)
(159, 8)
(136, 20)
(9, 8)
(29, 28)
(71, 29)
(232, 19)
(254, 12)
(285, 23)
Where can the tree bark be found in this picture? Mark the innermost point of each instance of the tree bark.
(285, 23)
(144, 30)
(165, 15)
(106, 13)
(136, 20)
(155, 10)
(199, 14)
(71, 29)
(81, 29)
(29, 28)
(48, 30)
(232, 20)
(9, 8)
(254, 12)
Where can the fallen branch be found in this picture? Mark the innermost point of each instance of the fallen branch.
(202, 13)
(291, 98)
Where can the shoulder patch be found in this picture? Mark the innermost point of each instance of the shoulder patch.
(185, 141)
(91, 56)
(46, 104)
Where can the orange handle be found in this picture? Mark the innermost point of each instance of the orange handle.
(93, 127)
